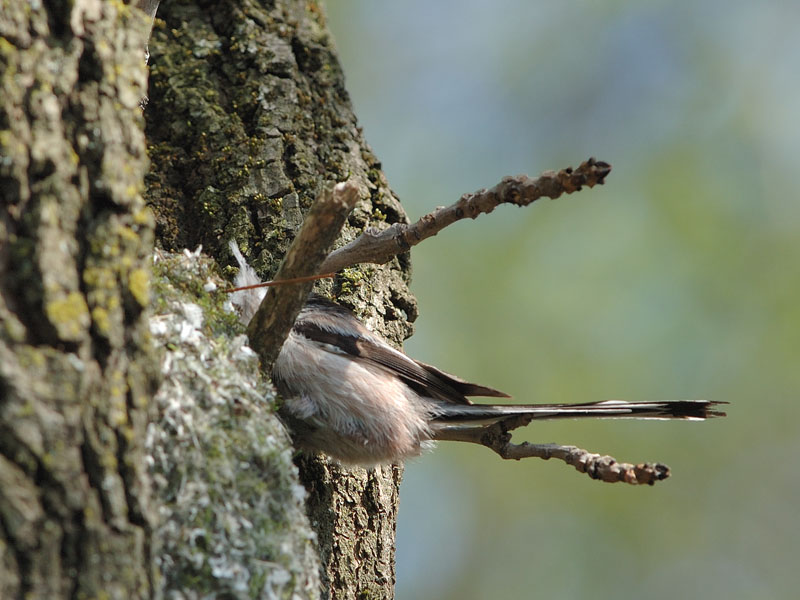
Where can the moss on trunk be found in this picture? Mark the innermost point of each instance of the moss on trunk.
(248, 119)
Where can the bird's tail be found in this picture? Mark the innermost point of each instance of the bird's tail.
(476, 415)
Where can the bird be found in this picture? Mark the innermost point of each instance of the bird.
(349, 394)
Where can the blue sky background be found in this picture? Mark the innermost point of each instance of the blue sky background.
(678, 278)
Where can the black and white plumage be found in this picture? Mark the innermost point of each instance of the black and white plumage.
(349, 394)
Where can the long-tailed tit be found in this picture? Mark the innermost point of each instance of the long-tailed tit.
(349, 394)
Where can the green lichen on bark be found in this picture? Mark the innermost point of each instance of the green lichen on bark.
(248, 119)
(232, 520)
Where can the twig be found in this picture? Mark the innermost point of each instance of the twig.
(497, 437)
(270, 325)
(597, 466)
(381, 246)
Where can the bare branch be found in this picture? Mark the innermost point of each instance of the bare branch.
(278, 310)
(381, 246)
(497, 437)
(597, 466)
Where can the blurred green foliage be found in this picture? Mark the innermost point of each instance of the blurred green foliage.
(679, 278)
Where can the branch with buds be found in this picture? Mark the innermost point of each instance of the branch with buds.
(309, 258)
(497, 437)
(380, 247)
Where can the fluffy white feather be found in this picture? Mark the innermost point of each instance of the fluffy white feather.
(246, 301)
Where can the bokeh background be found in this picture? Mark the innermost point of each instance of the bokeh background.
(677, 279)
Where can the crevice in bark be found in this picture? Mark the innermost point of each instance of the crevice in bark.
(22, 562)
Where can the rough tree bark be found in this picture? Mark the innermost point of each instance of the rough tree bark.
(248, 118)
(76, 365)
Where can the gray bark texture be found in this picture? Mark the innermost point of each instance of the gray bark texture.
(77, 368)
(248, 119)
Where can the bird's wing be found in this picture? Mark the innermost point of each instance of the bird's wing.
(424, 379)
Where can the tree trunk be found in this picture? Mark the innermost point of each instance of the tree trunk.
(248, 118)
(76, 365)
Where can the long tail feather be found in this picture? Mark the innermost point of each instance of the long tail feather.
(480, 414)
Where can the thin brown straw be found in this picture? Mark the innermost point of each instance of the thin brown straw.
(279, 282)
